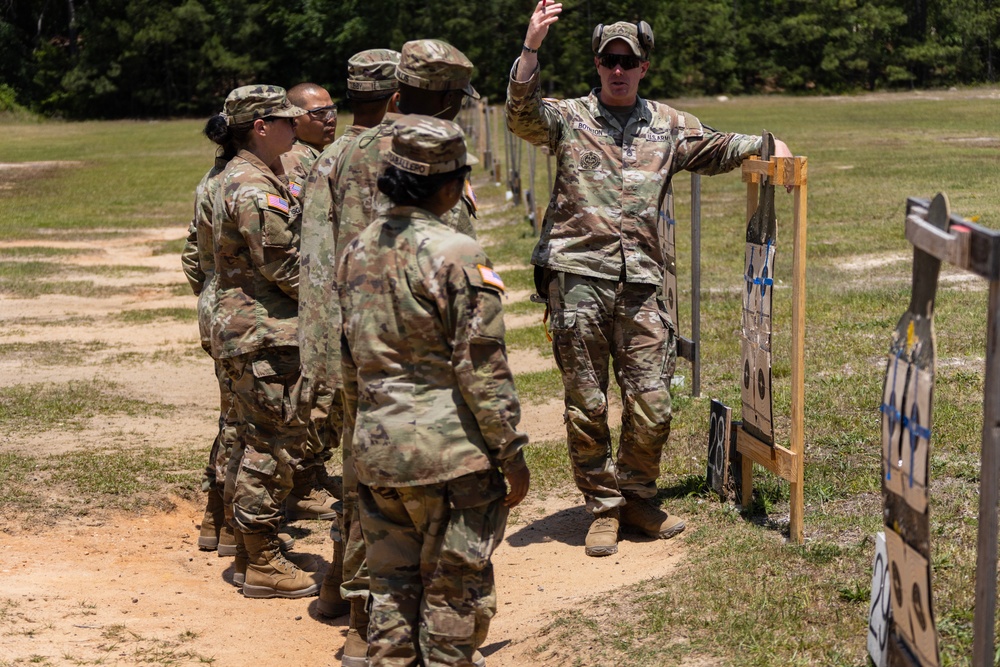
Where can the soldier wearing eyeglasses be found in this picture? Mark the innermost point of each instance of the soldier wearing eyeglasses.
(599, 264)
(314, 132)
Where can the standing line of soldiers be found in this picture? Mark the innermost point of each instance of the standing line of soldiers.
(346, 300)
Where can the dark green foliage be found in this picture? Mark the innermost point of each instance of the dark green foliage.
(141, 58)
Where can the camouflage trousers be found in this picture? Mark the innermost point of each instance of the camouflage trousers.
(356, 578)
(592, 319)
(272, 425)
(227, 435)
(429, 549)
(326, 423)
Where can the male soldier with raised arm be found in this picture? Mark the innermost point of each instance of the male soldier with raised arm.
(599, 262)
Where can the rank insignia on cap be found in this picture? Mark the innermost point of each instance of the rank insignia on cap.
(490, 277)
(277, 203)
(294, 188)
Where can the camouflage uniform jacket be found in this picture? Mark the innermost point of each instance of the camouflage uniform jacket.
(425, 368)
(613, 183)
(197, 257)
(298, 162)
(343, 191)
(255, 225)
(317, 295)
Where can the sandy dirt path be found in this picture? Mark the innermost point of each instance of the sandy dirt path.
(119, 588)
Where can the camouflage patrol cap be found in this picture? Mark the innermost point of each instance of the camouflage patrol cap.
(628, 33)
(371, 74)
(431, 64)
(425, 145)
(248, 103)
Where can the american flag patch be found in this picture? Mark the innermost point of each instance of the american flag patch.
(490, 277)
(277, 203)
(294, 188)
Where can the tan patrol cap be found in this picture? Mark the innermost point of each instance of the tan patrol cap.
(248, 103)
(371, 74)
(425, 145)
(431, 64)
(640, 44)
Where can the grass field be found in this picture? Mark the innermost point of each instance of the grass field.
(744, 595)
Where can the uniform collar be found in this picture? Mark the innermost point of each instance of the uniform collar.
(598, 110)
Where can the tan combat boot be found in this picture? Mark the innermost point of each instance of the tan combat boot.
(270, 574)
(240, 562)
(478, 659)
(602, 538)
(333, 485)
(646, 516)
(330, 603)
(227, 542)
(213, 522)
(356, 645)
(308, 498)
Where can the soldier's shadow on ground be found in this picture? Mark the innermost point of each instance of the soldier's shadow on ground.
(568, 526)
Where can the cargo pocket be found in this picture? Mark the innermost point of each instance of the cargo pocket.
(253, 483)
(669, 351)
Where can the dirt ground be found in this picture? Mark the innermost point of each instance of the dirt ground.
(126, 588)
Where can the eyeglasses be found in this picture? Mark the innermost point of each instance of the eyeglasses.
(323, 113)
(626, 62)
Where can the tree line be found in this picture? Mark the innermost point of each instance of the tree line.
(157, 58)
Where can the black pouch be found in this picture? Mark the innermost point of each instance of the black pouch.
(542, 277)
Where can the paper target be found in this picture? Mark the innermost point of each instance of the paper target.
(916, 438)
(748, 382)
(893, 401)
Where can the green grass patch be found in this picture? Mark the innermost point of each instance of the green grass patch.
(119, 175)
(147, 315)
(540, 386)
(529, 338)
(18, 252)
(38, 407)
(173, 247)
(28, 280)
(52, 353)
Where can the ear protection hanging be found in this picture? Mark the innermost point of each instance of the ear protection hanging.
(643, 29)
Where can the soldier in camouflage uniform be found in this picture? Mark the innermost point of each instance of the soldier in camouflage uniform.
(314, 131)
(198, 261)
(427, 384)
(371, 89)
(313, 493)
(341, 199)
(255, 225)
(600, 265)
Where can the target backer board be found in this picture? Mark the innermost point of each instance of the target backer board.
(906, 434)
(755, 440)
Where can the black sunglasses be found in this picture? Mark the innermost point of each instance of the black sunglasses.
(612, 60)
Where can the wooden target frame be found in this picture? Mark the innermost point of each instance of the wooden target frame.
(937, 235)
(787, 463)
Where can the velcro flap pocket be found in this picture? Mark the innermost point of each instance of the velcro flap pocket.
(447, 622)
(563, 319)
(259, 462)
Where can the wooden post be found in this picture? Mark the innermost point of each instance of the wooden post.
(797, 442)
(986, 560)
(696, 284)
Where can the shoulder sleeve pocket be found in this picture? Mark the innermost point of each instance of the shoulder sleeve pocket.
(486, 319)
